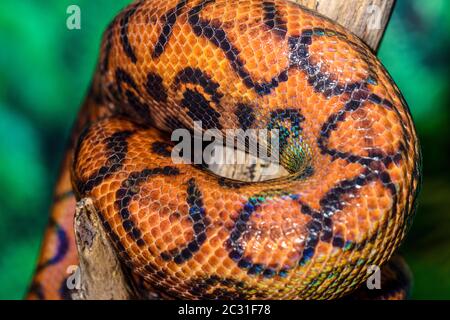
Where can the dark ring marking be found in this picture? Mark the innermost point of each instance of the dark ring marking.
(124, 77)
(115, 238)
(273, 19)
(331, 125)
(126, 45)
(198, 77)
(228, 288)
(199, 108)
(332, 203)
(217, 36)
(131, 187)
(141, 108)
(170, 18)
(246, 116)
(116, 150)
(61, 249)
(64, 291)
(161, 148)
(321, 82)
(174, 123)
(200, 222)
(236, 249)
(155, 87)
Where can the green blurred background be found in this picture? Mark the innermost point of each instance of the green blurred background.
(45, 70)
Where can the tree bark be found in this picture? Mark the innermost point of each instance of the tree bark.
(101, 274)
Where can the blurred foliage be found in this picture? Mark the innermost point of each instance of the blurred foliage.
(45, 70)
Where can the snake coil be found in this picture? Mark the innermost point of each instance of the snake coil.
(347, 140)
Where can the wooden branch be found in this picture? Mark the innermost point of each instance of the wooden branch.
(102, 276)
(365, 18)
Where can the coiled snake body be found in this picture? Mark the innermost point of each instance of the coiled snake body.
(248, 64)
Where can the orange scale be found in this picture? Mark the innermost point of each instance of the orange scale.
(157, 231)
(229, 264)
(164, 199)
(221, 270)
(375, 215)
(214, 260)
(135, 250)
(200, 258)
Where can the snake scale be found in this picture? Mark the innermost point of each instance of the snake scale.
(348, 143)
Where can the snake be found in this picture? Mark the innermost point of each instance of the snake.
(346, 139)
